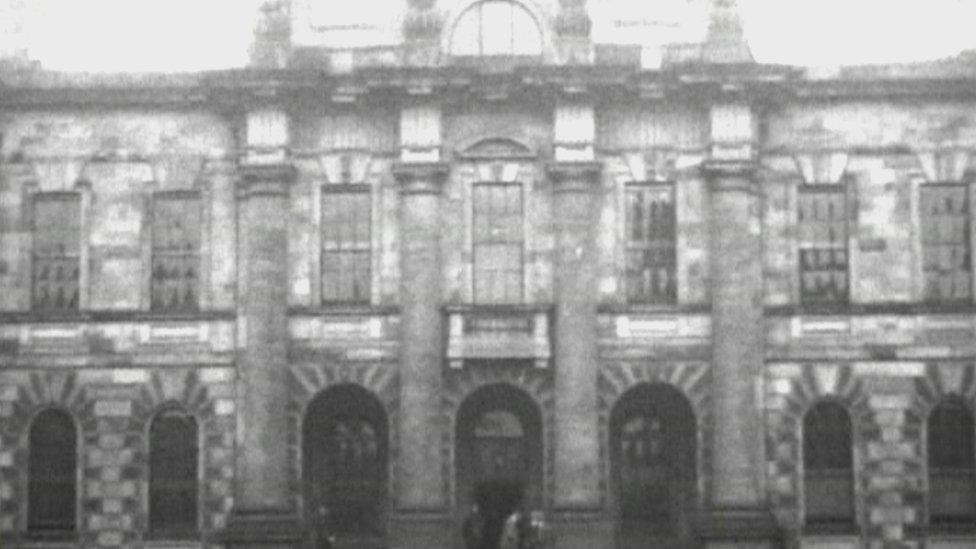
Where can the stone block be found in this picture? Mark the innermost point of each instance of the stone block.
(112, 506)
(113, 408)
(879, 402)
(110, 539)
(111, 473)
(224, 407)
(129, 375)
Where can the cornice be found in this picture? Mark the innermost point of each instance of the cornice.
(243, 88)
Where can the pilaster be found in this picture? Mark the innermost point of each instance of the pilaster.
(264, 515)
(738, 515)
(577, 500)
(421, 492)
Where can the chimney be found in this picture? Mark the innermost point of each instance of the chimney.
(725, 42)
(272, 35)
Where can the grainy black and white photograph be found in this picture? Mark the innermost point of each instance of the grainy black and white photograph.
(487, 274)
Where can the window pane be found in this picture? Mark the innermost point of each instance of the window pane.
(176, 253)
(51, 469)
(57, 245)
(173, 474)
(650, 229)
(822, 215)
(346, 246)
(945, 242)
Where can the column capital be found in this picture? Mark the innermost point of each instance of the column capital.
(421, 177)
(580, 177)
(265, 179)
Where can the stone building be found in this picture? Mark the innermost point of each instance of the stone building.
(670, 296)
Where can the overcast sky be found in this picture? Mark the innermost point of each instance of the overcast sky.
(187, 35)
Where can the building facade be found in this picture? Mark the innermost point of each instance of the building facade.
(704, 303)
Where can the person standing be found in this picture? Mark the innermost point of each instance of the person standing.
(473, 529)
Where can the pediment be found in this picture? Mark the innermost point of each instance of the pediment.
(496, 147)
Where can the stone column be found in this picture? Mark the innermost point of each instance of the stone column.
(577, 498)
(738, 516)
(422, 518)
(264, 514)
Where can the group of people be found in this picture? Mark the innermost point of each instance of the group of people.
(522, 529)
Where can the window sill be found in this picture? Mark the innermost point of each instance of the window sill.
(855, 309)
(29, 317)
(344, 309)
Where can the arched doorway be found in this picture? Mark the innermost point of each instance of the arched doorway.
(498, 455)
(653, 456)
(344, 467)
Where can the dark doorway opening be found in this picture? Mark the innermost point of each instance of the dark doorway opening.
(653, 439)
(344, 467)
(499, 456)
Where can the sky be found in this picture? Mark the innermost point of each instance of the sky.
(189, 35)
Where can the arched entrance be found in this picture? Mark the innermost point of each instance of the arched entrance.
(344, 463)
(653, 456)
(498, 455)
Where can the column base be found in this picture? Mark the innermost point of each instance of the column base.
(581, 530)
(741, 528)
(423, 530)
(263, 530)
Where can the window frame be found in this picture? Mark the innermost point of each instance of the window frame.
(473, 15)
(967, 244)
(346, 188)
(957, 524)
(54, 534)
(671, 297)
(176, 195)
(521, 243)
(832, 524)
(179, 532)
(56, 196)
(843, 189)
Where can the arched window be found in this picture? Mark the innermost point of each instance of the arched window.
(496, 27)
(51, 470)
(952, 466)
(828, 468)
(173, 475)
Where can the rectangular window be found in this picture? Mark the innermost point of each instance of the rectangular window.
(650, 241)
(823, 223)
(498, 243)
(945, 242)
(57, 252)
(346, 245)
(176, 252)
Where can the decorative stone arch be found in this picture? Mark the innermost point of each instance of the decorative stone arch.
(43, 391)
(309, 379)
(939, 382)
(784, 442)
(459, 385)
(691, 380)
(543, 18)
(182, 390)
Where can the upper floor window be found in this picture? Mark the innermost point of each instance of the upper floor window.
(650, 241)
(51, 470)
(945, 242)
(496, 27)
(176, 252)
(498, 243)
(952, 465)
(823, 223)
(57, 252)
(346, 244)
(828, 481)
(173, 475)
